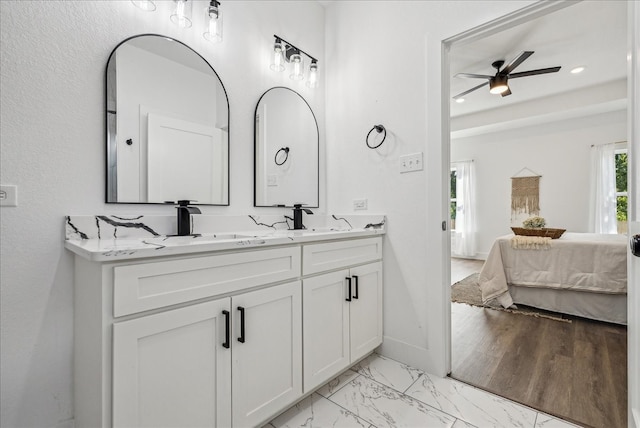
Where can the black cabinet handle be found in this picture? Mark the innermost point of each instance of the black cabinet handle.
(227, 326)
(355, 278)
(241, 338)
(348, 299)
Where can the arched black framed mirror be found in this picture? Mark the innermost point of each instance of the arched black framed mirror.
(286, 152)
(167, 125)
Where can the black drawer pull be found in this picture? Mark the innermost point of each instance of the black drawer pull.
(355, 278)
(227, 326)
(348, 299)
(241, 338)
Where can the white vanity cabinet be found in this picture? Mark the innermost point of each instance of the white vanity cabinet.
(342, 309)
(163, 359)
(225, 338)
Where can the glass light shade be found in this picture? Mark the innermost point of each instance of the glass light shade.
(298, 67)
(181, 15)
(312, 82)
(146, 5)
(212, 24)
(498, 85)
(278, 60)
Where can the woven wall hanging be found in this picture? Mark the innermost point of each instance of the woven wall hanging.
(525, 195)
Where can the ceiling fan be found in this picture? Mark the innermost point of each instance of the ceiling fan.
(498, 84)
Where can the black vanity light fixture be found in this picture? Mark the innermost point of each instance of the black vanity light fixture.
(182, 17)
(284, 52)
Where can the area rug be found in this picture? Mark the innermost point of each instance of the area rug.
(468, 291)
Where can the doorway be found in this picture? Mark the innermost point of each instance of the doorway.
(481, 38)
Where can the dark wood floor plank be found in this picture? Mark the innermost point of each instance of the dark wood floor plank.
(576, 371)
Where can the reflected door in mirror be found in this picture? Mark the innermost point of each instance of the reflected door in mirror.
(168, 122)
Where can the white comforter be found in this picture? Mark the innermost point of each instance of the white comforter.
(577, 261)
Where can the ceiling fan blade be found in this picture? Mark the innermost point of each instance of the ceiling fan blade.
(507, 92)
(473, 76)
(462, 94)
(534, 72)
(516, 62)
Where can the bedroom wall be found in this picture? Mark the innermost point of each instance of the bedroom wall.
(559, 151)
(53, 58)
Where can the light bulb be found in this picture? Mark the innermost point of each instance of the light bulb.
(278, 61)
(298, 67)
(312, 82)
(498, 85)
(213, 22)
(182, 14)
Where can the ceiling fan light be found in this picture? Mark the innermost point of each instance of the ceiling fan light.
(498, 85)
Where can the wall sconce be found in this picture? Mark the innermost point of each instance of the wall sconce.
(146, 5)
(181, 15)
(213, 22)
(284, 51)
(278, 59)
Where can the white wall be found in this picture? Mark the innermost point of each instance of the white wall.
(53, 147)
(385, 67)
(559, 151)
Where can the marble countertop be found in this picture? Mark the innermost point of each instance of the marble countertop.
(118, 249)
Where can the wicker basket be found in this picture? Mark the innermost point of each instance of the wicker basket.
(542, 231)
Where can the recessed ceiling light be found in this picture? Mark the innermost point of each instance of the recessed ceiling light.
(459, 100)
(577, 70)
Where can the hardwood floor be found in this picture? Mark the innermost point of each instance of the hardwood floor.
(577, 370)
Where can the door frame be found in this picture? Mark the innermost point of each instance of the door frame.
(519, 17)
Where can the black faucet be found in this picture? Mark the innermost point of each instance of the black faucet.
(297, 216)
(184, 217)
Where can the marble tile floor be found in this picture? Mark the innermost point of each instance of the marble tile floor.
(380, 392)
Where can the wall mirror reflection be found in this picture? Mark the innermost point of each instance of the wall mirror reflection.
(167, 125)
(286, 150)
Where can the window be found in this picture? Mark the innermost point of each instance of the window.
(454, 204)
(621, 189)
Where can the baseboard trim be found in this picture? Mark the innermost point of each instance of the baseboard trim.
(478, 256)
(71, 423)
(410, 355)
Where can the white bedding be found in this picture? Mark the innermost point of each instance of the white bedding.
(584, 262)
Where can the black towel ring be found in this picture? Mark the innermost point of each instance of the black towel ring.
(286, 155)
(379, 129)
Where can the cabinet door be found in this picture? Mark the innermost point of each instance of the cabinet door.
(172, 370)
(267, 352)
(366, 309)
(325, 327)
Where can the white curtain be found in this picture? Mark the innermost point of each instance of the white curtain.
(603, 189)
(465, 243)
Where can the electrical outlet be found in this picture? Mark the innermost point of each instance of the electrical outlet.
(410, 163)
(359, 204)
(8, 196)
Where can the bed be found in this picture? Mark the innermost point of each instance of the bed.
(581, 274)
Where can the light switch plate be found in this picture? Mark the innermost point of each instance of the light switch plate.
(410, 163)
(359, 204)
(8, 196)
